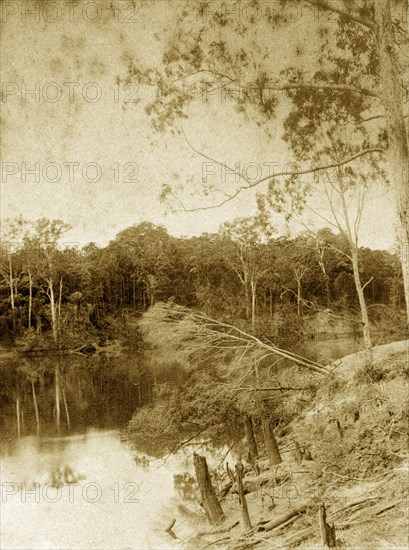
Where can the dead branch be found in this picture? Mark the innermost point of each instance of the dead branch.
(169, 530)
(282, 519)
(218, 531)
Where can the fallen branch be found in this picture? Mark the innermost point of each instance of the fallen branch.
(352, 505)
(214, 542)
(388, 507)
(218, 531)
(169, 530)
(282, 519)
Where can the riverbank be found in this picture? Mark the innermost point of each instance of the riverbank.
(347, 450)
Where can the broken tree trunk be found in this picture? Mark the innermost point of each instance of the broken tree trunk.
(242, 498)
(328, 537)
(210, 502)
(270, 441)
(230, 473)
(298, 455)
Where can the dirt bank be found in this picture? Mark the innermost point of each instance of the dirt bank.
(354, 460)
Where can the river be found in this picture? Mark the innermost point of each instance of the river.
(68, 478)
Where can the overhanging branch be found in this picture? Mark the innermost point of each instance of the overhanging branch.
(347, 10)
(285, 173)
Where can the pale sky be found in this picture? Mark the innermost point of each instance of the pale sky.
(75, 127)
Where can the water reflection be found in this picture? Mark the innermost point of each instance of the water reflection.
(68, 479)
(103, 499)
(56, 394)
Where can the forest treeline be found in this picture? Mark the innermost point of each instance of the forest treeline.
(243, 274)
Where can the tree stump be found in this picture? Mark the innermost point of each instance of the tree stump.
(251, 442)
(242, 498)
(250, 438)
(210, 502)
(328, 536)
(298, 454)
(270, 441)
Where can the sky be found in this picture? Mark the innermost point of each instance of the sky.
(78, 146)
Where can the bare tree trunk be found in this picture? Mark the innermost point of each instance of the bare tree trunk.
(253, 286)
(33, 391)
(361, 298)
(11, 283)
(242, 498)
(18, 416)
(30, 297)
(353, 247)
(52, 309)
(247, 299)
(59, 308)
(398, 145)
(210, 502)
(23, 424)
(270, 441)
(57, 396)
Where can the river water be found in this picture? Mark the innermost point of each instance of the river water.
(68, 478)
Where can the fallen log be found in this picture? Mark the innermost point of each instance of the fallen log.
(218, 531)
(281, 519)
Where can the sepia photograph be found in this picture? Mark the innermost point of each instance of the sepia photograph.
(204, 274)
